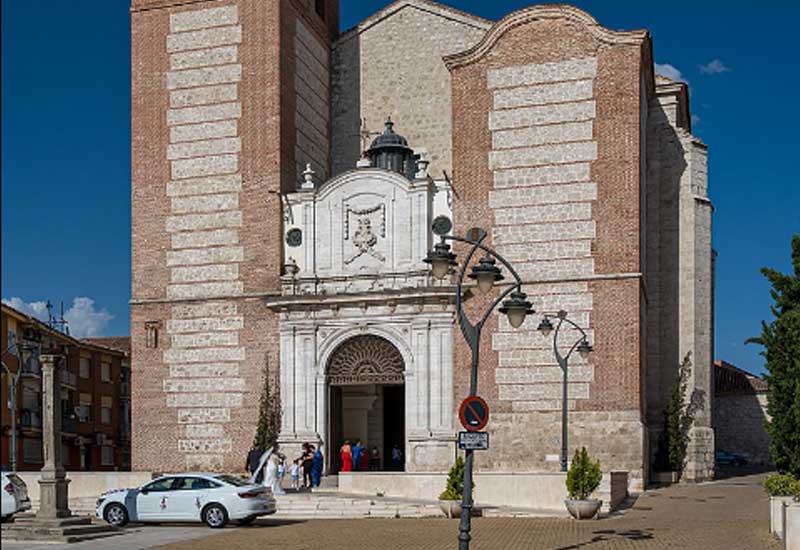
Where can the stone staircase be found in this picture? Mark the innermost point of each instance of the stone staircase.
(333, 505)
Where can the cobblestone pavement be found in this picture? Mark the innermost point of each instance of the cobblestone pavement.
(730, 514)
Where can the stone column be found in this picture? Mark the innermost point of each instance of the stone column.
(53, 486)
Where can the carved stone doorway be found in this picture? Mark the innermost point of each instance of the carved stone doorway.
(366, 400)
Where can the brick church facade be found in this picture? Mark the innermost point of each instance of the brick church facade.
(266, 241)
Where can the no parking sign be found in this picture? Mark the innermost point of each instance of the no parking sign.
(474, 413)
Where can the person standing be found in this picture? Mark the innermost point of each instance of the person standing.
(308, 458)
(397, 457)
(356, 450)
(375, 459)
(253, 459)
(346, 453)
(316, 467)
(294, 471)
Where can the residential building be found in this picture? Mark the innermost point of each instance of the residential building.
(95, 396)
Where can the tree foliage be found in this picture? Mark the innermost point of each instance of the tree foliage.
(269, 417)
(584, 476)
(678, 417)
(781, 342)
(455, 481)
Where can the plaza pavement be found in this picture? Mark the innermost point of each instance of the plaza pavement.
(730, 514)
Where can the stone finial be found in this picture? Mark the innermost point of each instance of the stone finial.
(291, 268)
(308, 178)
(422, 169)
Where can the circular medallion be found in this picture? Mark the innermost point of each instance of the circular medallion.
(441, 225)
(294, 237)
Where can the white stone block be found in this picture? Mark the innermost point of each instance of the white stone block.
(571, 69)
(205, 166)
(204, 113)
(189, 97)
(207, 130)
(560, 269)
(546, 250)
(204, 324)
(204, 463)
(216, 399)
(204, 370)
(522, 392)
(192, 59)
(204, 445)
(544, 289)
(203, 148)
(543, 214)
(206, 38)
(205, 203)
(197, 311)
(202, 186)
(205, 290)
(544, 154)
(542, 114)
(200, 385)
(203, 355)
(542, 135)
(194, 274)
(543, 194)
(195, 222)
(203, 415)
(541, 405)
(205, 339)
(547, 231)
(510, 357)
(204, 430)
(201, 19)
(199, 239)
(542, 94)
(206, 76)
(548, 374)
(548, 303)
(542, 175)
(198, 256)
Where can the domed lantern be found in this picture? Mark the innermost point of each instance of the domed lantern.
(390, 151)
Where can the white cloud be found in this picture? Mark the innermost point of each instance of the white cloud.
(715, 66)
(84, 320)
(665, 69)
(34, 309)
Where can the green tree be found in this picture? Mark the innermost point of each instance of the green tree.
(678, 417)
(455, 481)
(269, 417)
(584, 476)
(781, 342)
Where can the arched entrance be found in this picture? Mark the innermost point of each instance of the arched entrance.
(366, 397)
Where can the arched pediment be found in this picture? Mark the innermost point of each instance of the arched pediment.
(534, 13)
(357, 178)
(365, 359)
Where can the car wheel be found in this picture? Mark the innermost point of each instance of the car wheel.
(116, 515)
(246, 521)
(215, 516)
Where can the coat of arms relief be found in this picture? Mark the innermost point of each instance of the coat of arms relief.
(370, 223)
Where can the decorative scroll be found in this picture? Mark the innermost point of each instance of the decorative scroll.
(366, 359)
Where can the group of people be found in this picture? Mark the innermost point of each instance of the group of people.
(269, 468)
(357, 457)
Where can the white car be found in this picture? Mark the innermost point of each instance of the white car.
(15, 495)
(211, 498)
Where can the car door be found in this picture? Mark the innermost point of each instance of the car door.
(188, 497)
(153, 500)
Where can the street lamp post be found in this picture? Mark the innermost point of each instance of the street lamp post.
(516, 308)
(583, 347)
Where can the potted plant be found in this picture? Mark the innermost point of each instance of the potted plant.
(450, 499)
(782, 490)
(583, 478)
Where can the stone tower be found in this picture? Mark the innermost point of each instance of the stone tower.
(230, 102)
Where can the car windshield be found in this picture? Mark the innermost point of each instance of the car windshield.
(233, 480)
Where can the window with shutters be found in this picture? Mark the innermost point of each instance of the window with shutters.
(105, 371)
(32, 450)
(85, 370)
(106, 405)
(84, 409)
(107, 455)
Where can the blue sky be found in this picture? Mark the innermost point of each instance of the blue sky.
(66, 146)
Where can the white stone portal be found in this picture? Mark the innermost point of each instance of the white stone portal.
(355, 245)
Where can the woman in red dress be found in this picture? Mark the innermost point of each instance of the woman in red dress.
(347, 457)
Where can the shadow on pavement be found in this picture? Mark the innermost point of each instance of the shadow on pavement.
(731, 472)
(267, 522)
(603, 535)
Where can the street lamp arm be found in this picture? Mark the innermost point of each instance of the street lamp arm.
(497, 302)
(562, 359)
(467, 328)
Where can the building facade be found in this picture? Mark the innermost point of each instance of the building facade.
(280, 222)
(95, 397)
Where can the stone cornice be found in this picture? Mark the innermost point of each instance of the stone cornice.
(432, 295)
(534, 13)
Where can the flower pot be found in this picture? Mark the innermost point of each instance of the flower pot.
(776, 505)
(451, 508)
(583, 509)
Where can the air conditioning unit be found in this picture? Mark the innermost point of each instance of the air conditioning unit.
(100, 439)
